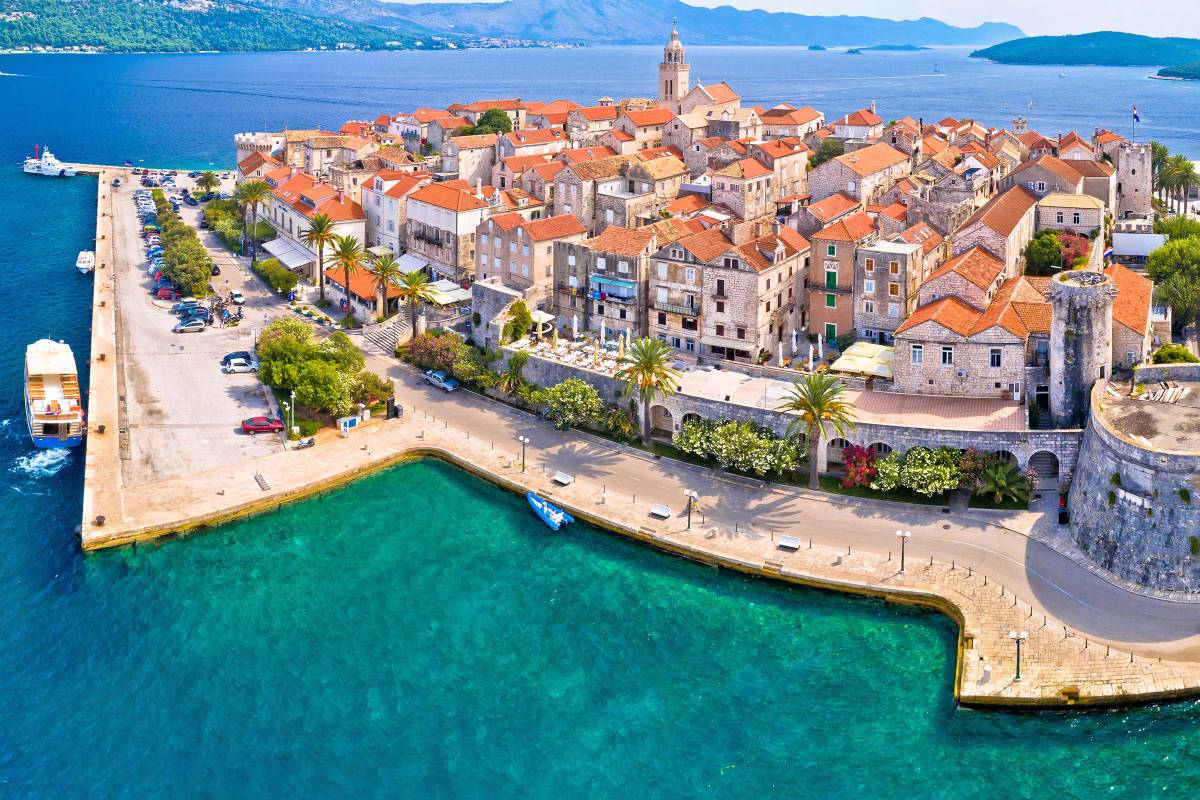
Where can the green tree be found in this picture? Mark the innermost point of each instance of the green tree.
(1174, 354)
(519, 321)
(322, 384)
(1178, 227)
(1177, 255)
(492, 121)
(887, 473)
(386, 272)
(830, 148)
(1043, 254)
(340, 350)
(573, 402)
(820, 405)
(348, 255)
(283, 347)
(1003, 481)
(320, 234)
(1181, 291)
(511, 379)
(250, 195)
(415, 289)
(646, 373)
(930, 472)
(208, 181)
(1183, 177)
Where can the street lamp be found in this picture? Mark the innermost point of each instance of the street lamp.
(293, 410)
(524, 440)
(903, 536)
(692, 497)
(1018, 637)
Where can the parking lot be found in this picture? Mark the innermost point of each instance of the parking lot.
(183, 414)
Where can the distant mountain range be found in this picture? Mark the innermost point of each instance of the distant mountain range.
(1103, 48)
(647, 22)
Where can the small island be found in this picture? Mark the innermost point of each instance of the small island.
(1183, 72)
(1103, 48)
(886, 48)
(817, 47)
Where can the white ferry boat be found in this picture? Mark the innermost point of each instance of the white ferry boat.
(47, 164)
(53, 405)
(86, 262)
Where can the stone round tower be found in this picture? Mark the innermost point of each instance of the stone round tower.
(1080, 341)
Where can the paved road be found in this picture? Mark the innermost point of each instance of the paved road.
(1035, 572)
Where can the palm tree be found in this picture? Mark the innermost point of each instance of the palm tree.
(646, 374)
(1185, 175)
(348, 254)
(1003, 481)
(820, 402)
(1158, 157)
(249, 195)
(387, 272)
(511, 380)
(208, 181)
(319, 234)
(415, 289)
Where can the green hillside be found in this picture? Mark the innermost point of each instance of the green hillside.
(1187, 72)
(1104, 48)
(153, 25)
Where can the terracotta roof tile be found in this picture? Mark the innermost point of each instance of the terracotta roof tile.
(861, 117)
(1053, 165)
(706, 245)
(976, 265)
(949, 312)
(746, 168)
(563, 225)
(1131, 307)
(924, 235)
(598, 113)
(622, 241)
(448, 197)
(535, 136)
(475, 141)
(835, 205)
(1004, 211)
(873, 159)
(687, 204)
(593, 153)
(853, 228)
(720, 92)
(649, 116)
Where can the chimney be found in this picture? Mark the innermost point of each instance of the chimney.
(479, 187)
(872, 105)
(339, 195)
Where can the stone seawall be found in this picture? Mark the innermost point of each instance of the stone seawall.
(1136, 511)
(1152, 373)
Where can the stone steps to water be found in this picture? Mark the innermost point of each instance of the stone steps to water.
(387, 335)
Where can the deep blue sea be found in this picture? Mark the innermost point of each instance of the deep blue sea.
(339, 649)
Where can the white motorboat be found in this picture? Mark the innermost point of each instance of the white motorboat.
(86, 262)
(45, 163)
(53, 403)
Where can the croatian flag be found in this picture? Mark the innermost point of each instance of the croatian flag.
(1136, 118)
(1108, 254)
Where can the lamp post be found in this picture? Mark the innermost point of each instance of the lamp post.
(293, 409)
(1018, 637)
(524, 440)
(691, 496)
(903, 536)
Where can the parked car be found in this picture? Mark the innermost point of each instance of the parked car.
(203, 222)
(190, 326)
(199, 312)
(168, 293)
(237, 298)
(242, 354)
(191, 201)
(216, 270)
(261, 425)
(240, 365)
(441, 380)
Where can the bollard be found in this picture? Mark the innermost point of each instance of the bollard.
(889, 555)
(1107, 650)
(468, 434)
(493, 445)
(970, 572)
(634, 500)
(847, 549)
(810, 544)
(985, 580)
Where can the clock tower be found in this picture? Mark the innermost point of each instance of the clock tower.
(673, 73)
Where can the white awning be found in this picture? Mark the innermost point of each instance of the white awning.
(290, 254)
(1137, 245)
(412, 263)
(444, 293)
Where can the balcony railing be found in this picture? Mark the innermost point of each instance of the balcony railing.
(676, 308)
(432, 237)
(817, 286)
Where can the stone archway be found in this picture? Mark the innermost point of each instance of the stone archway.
(833, 450)
(1045, 462)
(1006, 457)
(880, 449)
(661, 423)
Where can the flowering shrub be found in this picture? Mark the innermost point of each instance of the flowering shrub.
(739, 446)
(860, 466)
(970, 466)
(1032, 478)
(930, 472)
(436, 351)
(695, 436)
(1074, 248)
(887, 473)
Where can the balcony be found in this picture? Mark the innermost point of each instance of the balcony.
(430, 237)
(674, 308)
(817, 286)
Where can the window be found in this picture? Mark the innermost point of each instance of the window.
(741, 334)
(831, 278)
(662, 294)
(830, 331)
(483, 259)
(869, 286)
(483, 239)
(893, 290)
(1058, 217)
(870, 265)
(868, 306)
(831, 250)
(572, 282)
(894, 268)
(720, 287)
(1075, 219)
(608, 215)
(623, 267)
(947, 355)
(831, 301)
(524, 270)
(600, 263)
(512, 267)
(720, 330)
(731, 263)
(1041, 186)
(571, 259)
(512, 246)
(994, 357)
(894, 310)
(662, 318)
(600, 310)
(690, 345)
(662, 269)
(720, 307)
(917, 354)
(689, 275)
(621, 313)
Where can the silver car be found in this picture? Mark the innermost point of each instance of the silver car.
(240, 365)
(194, 325)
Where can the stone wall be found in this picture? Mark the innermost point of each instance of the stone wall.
(1135, 511)
(489, 299)
(1153, 373)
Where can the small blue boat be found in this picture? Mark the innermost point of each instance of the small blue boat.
(552, 515)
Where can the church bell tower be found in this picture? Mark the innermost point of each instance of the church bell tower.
(673, 73)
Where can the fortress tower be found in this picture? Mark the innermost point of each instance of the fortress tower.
(1134, 181)
(1080, 341)
(673, 74)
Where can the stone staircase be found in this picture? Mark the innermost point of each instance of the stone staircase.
(387, 335)
(1046, 465)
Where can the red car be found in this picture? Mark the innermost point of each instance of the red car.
(168, 293)
(261, 425)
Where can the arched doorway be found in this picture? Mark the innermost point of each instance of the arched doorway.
(1045, 462)
(1005, 457)
(833, 450)
(880, 449)
(661, 424)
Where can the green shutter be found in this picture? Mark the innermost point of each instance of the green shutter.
(831, 301)
(830, 331)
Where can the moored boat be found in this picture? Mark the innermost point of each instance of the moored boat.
(550, 514)
(86, 261)
(53, 403)
(45, 163)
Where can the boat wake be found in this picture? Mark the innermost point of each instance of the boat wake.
(43, 463)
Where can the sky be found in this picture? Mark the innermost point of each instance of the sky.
(1149, 17)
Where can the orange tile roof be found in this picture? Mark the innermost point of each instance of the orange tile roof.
(720, 92)
(663, 168)
(649, 116)
(362, 282)
(601, 168)
(651, 153)
(872, 159)
(339, 208)
(547, 171)
(924, 235)
(1051, 164)
(853, 228)
(746, 168)
(976, 266)
(620, 135)
(1131, 306)
(932, 145)
(861, 117)
(687, 204)
(782, 148)
(535, 136)
(474, 142)
(598, 113)
(1019, 307)
(622, 241)
(792, 239)
(835, 205)
(949, 312)
(507, 104)
(787, 115)
(407, 184)
(1003, 212)
(1090, 169)
(897, 211)
(427, 115)
(518, 164)
(558, 227)
(256, 160)
(1108, 137)
(593, 153)
(450, 198)
(706, 245)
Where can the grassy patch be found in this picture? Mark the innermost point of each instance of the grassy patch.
(986, 501)
(834, 486)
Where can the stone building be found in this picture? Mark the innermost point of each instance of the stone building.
(521, 252)
(586, 125)
(413, 129)
(1003, 227)
(255, 165)
(784, 120)
(1082, 307)
(746, 187)
(536, 141)
(513, 107)
(684, 132)
(863, 174)
(1135, 181)
(788, 159)
(441, 226)
(384, 201)
(645, 127)
(575, 187)
(323, 152)
(635, 196)
(808, 219)
(1099, 181)
(863, 125)
(1081, 214)
(295, 199)
(887, 275)
(471, 158)
(830, 280)
(673, 74)
(1044, 175)
(740, 123)
(1133, 334)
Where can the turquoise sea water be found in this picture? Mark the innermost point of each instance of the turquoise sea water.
(371, 643)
